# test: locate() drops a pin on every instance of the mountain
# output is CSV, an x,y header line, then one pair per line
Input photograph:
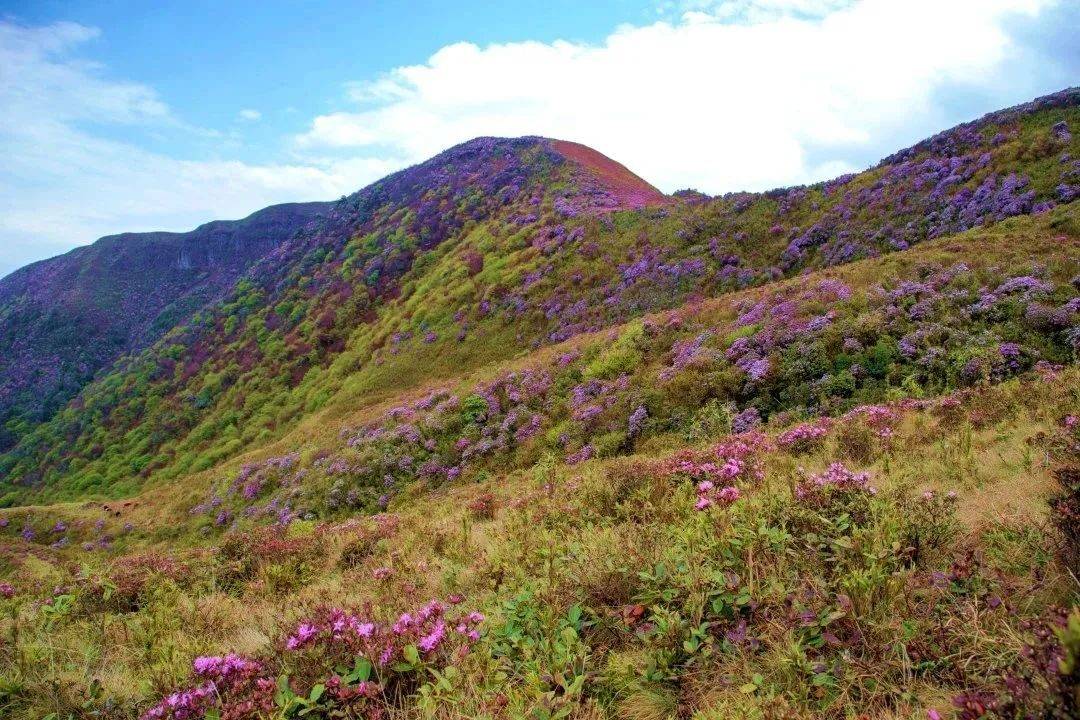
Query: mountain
x,y
64,319
807,453
489,249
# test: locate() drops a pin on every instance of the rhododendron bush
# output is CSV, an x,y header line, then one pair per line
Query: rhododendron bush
x,y
335,661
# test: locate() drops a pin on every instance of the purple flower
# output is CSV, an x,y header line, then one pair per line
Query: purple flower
x,y
746,420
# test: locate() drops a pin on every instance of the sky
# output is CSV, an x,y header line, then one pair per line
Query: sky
x,y
130,116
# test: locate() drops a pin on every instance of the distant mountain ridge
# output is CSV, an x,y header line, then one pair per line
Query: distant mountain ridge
x,y
64,319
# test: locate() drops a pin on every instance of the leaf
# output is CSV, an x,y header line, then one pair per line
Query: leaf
x,y
361,670
317,692
411,654
748,688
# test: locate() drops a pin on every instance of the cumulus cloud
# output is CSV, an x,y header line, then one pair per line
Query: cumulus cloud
x,y
64,183
250,115
735,94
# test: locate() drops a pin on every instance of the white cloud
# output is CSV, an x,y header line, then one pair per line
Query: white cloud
x,y
746,94
752,11
249,115
62,183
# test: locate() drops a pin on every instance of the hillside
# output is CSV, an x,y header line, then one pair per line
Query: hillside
x,y
512,434
62,320
620,587
492,248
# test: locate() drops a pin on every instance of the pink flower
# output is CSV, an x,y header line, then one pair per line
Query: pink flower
x,y
403,624
382,573
303,635
729,494
386,655
431,641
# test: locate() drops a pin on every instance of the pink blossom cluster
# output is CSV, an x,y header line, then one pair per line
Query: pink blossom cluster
x,y
709,495
430,629
717,471
239,686
879,418
835,478
805,436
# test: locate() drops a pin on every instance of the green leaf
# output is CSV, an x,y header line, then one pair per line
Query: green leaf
x,y
411,654
317,692
361,670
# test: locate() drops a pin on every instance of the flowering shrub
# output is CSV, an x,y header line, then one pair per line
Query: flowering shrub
x,y
717,472
836,479
396,654
387,659
881,419
805,436
237,687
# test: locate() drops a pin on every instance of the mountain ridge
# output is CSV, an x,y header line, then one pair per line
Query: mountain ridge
x,y
525,241
64,319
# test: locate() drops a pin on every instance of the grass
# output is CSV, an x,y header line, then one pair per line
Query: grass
x,y
600,540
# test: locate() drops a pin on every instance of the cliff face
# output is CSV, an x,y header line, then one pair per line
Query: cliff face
x,y
63,319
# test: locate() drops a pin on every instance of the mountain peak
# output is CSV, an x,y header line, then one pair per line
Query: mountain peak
x,y
606,184
624,187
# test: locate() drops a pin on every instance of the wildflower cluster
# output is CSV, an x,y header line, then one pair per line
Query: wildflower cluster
x,y
805,436
238,687
431,635
717,472
835,479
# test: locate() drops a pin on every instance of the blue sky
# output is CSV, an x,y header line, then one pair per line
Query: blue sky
x,y
135,116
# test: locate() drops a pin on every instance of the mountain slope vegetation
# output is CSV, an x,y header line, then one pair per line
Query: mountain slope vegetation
x,y
492,248
62,320
513,434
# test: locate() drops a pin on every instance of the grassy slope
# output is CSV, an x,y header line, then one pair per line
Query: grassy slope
x,y
584,542
592,536
237,388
